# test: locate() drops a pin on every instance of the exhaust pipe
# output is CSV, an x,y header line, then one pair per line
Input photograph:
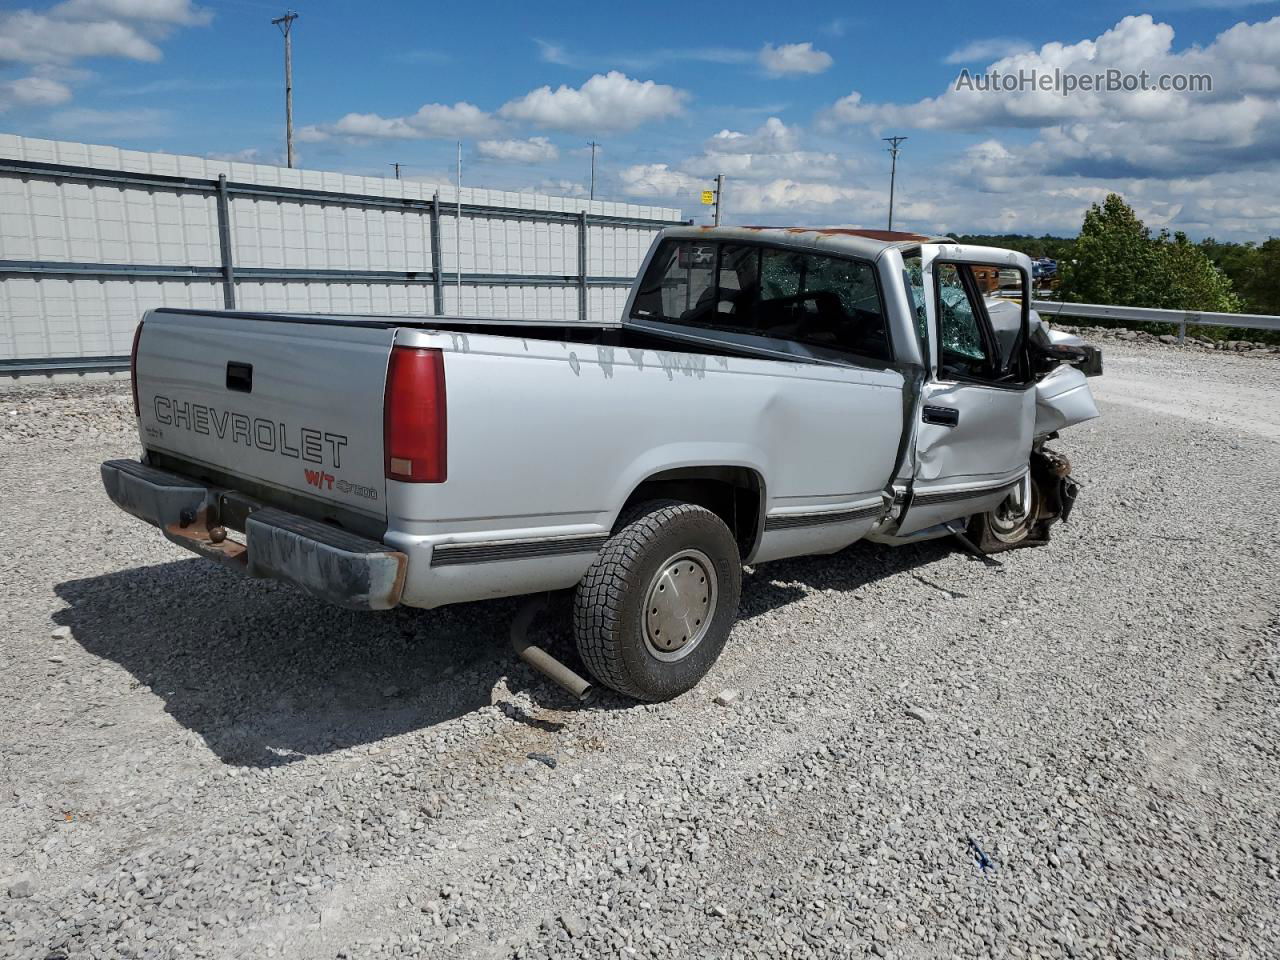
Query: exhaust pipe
x,y
539,659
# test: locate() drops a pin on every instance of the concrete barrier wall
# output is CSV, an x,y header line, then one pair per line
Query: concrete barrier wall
x,y
92,236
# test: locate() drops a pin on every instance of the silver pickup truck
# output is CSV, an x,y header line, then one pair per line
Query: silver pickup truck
x,y
768,393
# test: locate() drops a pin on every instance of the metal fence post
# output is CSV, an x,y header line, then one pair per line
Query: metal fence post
x,y
224,243
582,266
437,268
1182,330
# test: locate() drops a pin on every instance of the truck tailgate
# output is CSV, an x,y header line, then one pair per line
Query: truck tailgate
x,y
291,405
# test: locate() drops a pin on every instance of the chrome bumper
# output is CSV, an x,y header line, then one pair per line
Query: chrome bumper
x,y
324,560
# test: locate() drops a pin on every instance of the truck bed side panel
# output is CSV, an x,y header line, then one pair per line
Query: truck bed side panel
x,y
548,440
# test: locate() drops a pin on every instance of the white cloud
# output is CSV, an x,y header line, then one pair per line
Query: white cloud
x,y
766,173
250,155
533,150
82,122
29,37
432,121
984,51
774,136
553,53
606,102
659,180
793,58
447,122
1119,133
312,133
33,91
560,55
837,27
991,186
791,201
179,12
770,151
760,166
560,188
52,41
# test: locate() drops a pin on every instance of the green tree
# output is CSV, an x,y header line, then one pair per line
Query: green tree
x,y
1056,248
1117,261
1261,283
1114,260
1186,279
1237,260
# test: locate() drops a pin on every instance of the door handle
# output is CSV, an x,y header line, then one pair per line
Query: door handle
x,y
942,416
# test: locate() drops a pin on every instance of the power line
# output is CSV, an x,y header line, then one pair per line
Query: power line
x,y
893,170
285,24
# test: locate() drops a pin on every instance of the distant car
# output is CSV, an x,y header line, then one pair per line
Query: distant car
x,y
1043,268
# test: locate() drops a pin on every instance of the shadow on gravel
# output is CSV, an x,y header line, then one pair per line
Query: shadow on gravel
x,y
776,584
267,675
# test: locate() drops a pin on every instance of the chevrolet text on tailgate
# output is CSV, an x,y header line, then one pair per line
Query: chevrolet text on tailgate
x,y
768,393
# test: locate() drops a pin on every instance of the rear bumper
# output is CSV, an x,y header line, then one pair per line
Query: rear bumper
x,y
324,560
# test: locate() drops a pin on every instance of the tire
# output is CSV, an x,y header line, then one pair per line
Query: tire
x,y
992,532
623,603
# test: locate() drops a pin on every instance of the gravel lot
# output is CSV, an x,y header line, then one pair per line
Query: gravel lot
x,y
1075,752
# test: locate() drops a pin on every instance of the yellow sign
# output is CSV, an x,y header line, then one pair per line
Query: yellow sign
x,y
708,197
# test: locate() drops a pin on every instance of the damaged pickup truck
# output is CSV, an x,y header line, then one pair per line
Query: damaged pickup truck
x,y
768,393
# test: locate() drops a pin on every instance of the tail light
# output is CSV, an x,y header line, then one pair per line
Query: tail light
x,y
133,368
415,420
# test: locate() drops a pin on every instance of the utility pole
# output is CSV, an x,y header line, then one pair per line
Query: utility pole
x,y
285,24
397,165
593,146
893,170
719,196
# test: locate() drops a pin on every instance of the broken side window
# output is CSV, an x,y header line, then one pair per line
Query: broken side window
x,y
960,335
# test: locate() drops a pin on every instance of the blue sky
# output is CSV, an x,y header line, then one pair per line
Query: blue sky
x,y
789,102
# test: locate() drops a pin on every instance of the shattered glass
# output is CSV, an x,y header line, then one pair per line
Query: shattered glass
x,y
960,333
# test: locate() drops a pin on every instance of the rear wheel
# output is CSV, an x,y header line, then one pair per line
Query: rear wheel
x,y
655,609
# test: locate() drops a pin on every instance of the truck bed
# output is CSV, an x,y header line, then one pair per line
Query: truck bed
x,y
550,429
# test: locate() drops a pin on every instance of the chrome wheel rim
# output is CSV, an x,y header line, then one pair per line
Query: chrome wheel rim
x,y
1011,521
679,605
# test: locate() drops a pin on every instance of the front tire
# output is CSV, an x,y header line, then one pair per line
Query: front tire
x,y
655,609
1015,522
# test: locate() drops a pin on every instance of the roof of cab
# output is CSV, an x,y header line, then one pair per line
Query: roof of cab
x,y
864,243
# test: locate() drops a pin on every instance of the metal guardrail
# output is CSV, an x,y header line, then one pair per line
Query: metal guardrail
x,y
1051,309
45,366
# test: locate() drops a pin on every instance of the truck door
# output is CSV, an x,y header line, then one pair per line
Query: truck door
x,y
975,416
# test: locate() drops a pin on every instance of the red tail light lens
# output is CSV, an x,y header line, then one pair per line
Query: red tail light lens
x,y
133,368
414,435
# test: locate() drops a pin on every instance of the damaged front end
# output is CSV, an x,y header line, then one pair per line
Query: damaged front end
x,y
1044,496
1048,493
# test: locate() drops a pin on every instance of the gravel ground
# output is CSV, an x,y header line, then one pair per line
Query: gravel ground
x,y
1074,752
